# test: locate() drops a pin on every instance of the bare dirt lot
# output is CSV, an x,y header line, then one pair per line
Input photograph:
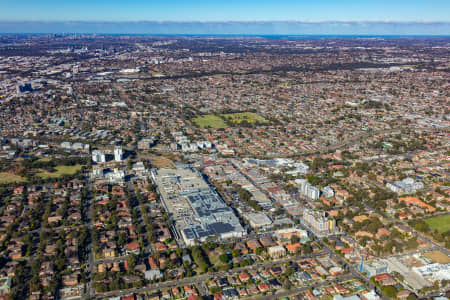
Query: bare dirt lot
x,y
438,256
159,161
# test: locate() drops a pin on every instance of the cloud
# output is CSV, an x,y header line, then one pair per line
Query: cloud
x,y
232,27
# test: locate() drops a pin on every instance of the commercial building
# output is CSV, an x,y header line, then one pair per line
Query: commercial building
x,y
374,268
411,278
262,199
117,175
145,144
258,220
405,186
197,211
340,297
319,222
370,295
284,235
434,271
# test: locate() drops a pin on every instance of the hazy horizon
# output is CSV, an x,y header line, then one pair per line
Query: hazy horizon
x,y
230,27
248,17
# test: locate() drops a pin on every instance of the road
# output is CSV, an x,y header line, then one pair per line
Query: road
x,y
201,278
416,233
89,289
413,252
237,167
147,249
302,289
444,213
351,268
426,239
354,271
356,139
147,245
435,246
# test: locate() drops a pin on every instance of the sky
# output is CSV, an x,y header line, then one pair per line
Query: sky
x,y
225,10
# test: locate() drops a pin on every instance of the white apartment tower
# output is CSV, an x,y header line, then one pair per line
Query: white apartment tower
x,y
98,156
118,153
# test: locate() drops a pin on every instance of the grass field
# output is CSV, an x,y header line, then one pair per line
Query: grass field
x,y
60,171
441,223
214,258
438,256
210,121
44,159
10,178
246,116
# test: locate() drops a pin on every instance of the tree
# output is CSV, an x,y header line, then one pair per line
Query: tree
x,y
131,261
199,259
214,290
244,195
288,272
412,243
307,249
60,264
236,252
390,291
412,296
225,267
259,251
223,258
314,180
287,285
374,226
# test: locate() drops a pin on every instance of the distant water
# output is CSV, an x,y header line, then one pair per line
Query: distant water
x,y
265,36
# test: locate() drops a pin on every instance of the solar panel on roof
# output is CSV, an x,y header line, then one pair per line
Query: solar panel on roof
x,y
221,227
189,233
